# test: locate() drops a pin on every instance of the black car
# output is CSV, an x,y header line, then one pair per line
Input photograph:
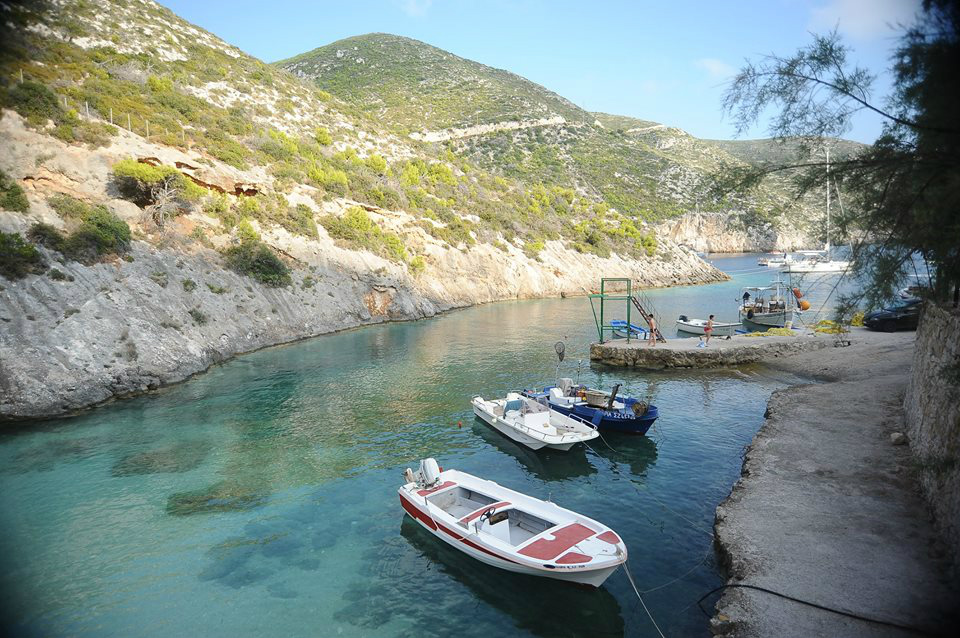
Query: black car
x,y
904,315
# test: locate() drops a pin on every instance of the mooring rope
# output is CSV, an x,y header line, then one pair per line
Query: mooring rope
x,y
626,568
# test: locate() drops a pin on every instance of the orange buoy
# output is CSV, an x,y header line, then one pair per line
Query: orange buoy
x,y
460,424
804,305
797,293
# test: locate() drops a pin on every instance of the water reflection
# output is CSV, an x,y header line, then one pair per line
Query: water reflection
x,y
542,606
546,465
638,453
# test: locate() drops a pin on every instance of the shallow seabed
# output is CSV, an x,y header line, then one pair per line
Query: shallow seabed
x,y
259,499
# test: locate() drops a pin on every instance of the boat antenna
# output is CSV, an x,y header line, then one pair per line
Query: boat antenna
x,y
579,363
561,349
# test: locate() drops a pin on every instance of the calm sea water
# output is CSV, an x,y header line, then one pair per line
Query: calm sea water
x,y
259,499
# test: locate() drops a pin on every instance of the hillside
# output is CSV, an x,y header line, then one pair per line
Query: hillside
x,y
408,83
512,127
167,201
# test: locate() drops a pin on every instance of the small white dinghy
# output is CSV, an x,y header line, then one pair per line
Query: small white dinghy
x,y
531,423
696,327
510,530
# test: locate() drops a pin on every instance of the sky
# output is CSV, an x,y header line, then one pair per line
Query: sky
x,y
662,60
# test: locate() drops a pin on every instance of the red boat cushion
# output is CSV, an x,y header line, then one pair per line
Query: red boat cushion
x,y
610,537
442,486
472,515
573,558
564,539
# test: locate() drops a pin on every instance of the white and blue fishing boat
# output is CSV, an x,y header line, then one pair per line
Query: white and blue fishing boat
x,y
621,328
604,410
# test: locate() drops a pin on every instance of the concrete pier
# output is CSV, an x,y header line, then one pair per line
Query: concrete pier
x,y
684,353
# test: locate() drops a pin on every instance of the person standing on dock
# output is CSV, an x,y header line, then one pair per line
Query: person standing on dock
x,y
652,335
708,330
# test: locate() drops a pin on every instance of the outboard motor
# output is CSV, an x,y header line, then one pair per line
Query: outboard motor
x,y
683,318
429,472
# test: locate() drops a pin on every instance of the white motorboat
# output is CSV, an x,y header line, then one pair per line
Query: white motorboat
x,y
775,259
510,530
816,264
696,327
535,425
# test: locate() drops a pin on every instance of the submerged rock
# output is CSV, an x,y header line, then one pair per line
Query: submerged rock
x,y
225,496
181,457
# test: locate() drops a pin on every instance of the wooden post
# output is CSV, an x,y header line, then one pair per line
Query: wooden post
x,y
21,75
111,115
86,107
129,126
147,122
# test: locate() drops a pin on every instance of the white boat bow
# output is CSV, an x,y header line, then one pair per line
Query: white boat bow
x,y
535,425
510,530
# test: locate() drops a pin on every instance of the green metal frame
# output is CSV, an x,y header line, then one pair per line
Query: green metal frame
x,y
603,297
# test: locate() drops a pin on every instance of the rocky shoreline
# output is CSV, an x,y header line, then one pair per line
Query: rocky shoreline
x,y
828,508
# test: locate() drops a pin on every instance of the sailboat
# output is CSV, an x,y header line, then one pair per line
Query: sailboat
x,y
819,261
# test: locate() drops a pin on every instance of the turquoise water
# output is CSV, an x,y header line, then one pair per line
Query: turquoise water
x,y
259,499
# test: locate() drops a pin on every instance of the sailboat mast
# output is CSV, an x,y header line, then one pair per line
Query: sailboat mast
x,y
828,202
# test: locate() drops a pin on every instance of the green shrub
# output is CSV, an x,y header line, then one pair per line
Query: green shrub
x,y
19,258
255,259
417,265
12,196
101,233
74,130
533,247
377,164
300,220
198,316
358,231
189,285
137,182
217,290
58,275
35,102
216,204
322,135
245,231
67,206
46,235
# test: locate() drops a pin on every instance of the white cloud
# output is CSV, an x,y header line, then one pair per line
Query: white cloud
x,y
864,19
718,69
415,8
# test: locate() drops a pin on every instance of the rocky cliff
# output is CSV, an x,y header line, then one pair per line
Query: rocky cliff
x,y
77,335
732,233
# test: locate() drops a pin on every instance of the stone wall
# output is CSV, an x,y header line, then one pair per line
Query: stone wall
x,y
932,411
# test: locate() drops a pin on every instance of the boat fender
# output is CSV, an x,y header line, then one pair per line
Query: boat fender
x,y
408,476
804,305
797,293
750,314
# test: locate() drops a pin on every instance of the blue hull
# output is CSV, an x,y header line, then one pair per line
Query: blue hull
x,y
612,420
622,420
